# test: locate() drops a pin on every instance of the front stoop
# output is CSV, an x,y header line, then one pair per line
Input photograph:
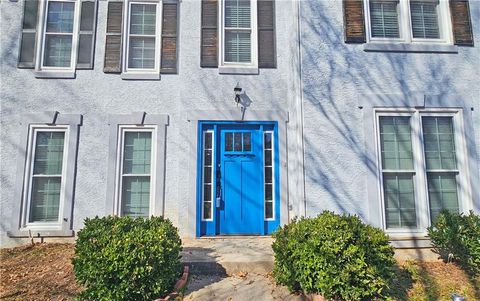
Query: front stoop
x,y
228,255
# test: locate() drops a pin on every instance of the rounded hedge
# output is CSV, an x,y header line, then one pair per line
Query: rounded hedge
x,y
336,256
121,258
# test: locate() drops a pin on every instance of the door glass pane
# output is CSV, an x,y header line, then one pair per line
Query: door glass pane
x,y
439,143
228,142
424,19
384,19
237,142
396,143
58,50
208,170
399,201
247,142
137,152
136,196
442,193
45,199
49,153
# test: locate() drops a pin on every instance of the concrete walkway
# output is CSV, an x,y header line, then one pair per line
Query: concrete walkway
x,y
228,256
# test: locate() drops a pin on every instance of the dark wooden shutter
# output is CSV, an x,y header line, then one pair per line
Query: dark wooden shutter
x,y
169,38
86,38
113,42
26,56
266,34
461,22
209,39
354,21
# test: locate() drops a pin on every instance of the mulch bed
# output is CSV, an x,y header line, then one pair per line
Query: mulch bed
x,y
38,272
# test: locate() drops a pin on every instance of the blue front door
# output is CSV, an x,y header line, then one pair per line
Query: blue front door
x,y
241,210
238,172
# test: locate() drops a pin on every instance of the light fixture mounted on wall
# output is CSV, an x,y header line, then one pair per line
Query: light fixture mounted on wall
x,y
237,91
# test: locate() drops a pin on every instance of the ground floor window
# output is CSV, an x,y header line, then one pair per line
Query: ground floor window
x,y
420,174
135,171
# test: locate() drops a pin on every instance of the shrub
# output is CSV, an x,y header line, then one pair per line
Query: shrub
x,y
336,256
458,235
121,258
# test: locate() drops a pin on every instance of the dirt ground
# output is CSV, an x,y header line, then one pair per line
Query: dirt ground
x,y
39,272
45,272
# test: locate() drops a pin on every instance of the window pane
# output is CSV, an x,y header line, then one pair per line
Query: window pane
x,y
399,201
237,13
442,193
45,199
267,140
58,50
228,142
384,19
237,142
49,153
208,157
247,142
143,19
268,192
207,174
141,53
60,17
439,143
207,210
237,46
396,143
424,19
137,152
268,210
208,140
136,196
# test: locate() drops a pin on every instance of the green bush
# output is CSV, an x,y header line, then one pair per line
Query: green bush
x,y
121,258
458,235
336,256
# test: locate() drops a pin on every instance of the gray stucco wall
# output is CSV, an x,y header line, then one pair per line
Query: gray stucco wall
x,y
336,76
95,95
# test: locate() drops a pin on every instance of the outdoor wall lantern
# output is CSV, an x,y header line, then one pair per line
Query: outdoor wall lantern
x,y
237,91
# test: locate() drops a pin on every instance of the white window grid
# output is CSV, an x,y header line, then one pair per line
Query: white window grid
x,y
272,166
126,38
119,177
40,53
405,24
212,178
28,183
253,36
420,171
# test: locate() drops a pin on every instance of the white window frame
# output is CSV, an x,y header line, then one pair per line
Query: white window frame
x,y
213,194
28,180
232,67
40,52
126,37
119,165
420,172
405,24
273,177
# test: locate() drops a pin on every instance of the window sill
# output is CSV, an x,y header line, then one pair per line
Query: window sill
x,y
140,76
414,48
54,74
237,70
24,232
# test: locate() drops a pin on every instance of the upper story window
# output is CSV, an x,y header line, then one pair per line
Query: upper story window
x,y
58,37
409,21
142,47
238,36
141,39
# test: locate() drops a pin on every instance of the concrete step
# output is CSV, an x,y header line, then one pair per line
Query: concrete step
x,y
229,255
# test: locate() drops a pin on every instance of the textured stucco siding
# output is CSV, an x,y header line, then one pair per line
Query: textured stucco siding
x,y
337,75
95,94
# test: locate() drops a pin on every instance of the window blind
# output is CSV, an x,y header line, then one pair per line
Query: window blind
x,y
238,45
384,19
424,19
440,157
397,163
